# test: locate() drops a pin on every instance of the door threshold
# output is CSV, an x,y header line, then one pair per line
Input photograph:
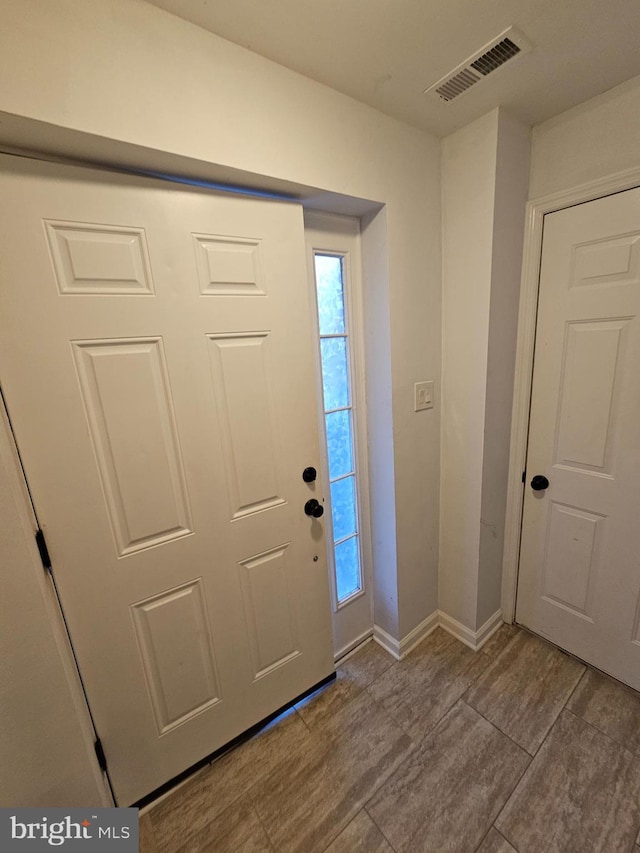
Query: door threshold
x,y
159,793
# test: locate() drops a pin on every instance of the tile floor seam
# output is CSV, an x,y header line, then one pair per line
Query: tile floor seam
x,y
344,829
564,707
426,734
426,685
497,728
634,755
302,718
577,684
557,727
479,676
375,823
264,828
377,783
505,838
607,677
495,818
573,657
424,768
557,717
381,705
593,725
484,837
554,721
517,849
482,840
371,683
497,831
512,793
506,646
358,692
450,675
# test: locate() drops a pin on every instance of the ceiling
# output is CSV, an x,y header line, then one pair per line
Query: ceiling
x,y
386,52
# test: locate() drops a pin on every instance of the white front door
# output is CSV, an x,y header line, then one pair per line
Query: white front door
x,y
156,359
579,581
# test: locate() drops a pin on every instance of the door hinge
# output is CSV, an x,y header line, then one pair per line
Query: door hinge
x,y
102,758
524,476
44,551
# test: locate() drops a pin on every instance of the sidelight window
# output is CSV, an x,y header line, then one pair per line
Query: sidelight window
x,y
336,358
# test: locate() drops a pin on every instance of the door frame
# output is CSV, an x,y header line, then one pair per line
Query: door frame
x,y
329,228
536,210
54,614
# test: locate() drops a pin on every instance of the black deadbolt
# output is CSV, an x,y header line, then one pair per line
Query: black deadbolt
x,y
309,475
539,483
314,508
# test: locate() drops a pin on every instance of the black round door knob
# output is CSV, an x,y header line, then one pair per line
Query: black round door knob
x,y
314,508
309,475
539,483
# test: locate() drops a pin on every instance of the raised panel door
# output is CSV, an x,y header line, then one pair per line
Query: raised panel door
x,y
156,361
579,581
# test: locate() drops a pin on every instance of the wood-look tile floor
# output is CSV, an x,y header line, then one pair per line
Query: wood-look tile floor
x,y
517,747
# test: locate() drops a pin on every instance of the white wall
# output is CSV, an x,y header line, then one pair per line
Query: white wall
x,y
597,138
468,190
118,79
123,70
511,191
484,190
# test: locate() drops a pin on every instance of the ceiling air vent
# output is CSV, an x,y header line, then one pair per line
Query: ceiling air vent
x,y
499,50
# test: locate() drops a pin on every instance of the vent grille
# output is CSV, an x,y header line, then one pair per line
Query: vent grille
x,y
493,55
457,85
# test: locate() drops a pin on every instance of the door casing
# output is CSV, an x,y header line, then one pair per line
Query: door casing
x,y
55,625
338,234
527,319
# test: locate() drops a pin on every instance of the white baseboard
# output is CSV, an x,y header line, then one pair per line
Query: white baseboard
x,y
353,646
388,643
474,639
400,648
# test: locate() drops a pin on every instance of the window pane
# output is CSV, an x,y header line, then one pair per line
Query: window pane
x,y
339,443
347,568
335,378
343,508
330,297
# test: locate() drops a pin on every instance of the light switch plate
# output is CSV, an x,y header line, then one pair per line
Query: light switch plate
x,y
422,396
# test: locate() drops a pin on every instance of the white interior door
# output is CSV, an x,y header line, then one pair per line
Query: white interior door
x,y
579,581
157,364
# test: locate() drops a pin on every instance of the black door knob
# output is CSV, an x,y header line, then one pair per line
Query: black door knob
x,y
314,508
309,475
539,483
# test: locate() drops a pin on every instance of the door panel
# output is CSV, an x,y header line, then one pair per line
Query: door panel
x,y
245,423
156,359
591,366
99,259
124,385
177,654
579,582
